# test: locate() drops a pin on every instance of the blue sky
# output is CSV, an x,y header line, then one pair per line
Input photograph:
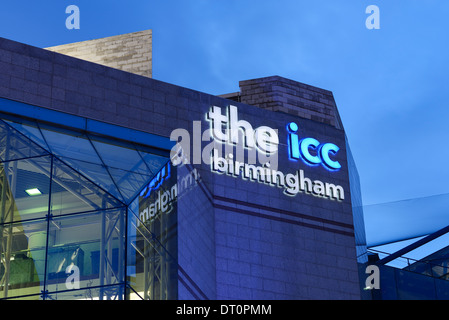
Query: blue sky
x,y
390,85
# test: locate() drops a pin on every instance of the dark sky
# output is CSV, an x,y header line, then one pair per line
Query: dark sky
x,y
390,85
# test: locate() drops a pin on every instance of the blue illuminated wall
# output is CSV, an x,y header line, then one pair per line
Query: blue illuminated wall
x,y
237,239
272,246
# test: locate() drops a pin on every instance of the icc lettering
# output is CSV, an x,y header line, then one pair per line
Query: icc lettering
x,y
310,150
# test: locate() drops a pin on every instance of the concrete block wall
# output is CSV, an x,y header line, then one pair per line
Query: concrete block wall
x,y
268,259
63,83
267,245
272,246
130,52
196,237
279,94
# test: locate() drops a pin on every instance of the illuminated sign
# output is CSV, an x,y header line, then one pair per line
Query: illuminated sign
x,y
161,194
310,150
228,131
228,128
264,138
292,183
158,179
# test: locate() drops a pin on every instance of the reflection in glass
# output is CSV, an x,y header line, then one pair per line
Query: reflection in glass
x,y
86,250
72,145
126,167
63,217
152,239
96,173
152,268
17,180
129,183
120,157
23,248
72,192
115,292
14,145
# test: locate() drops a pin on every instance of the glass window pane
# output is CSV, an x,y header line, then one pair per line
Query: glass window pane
x,y
86,251
31,131
129,183
14,145
70,144
152,240
413,286
72,192
132,295
25,189
115,292
23,258
78,250
145,258
127,167
120,157
96,173
28,297
154,162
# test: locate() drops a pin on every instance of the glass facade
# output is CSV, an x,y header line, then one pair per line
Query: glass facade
x,y
78,220
411,252
357,207
397,284
152,250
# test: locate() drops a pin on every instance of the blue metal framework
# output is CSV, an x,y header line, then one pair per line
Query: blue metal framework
x,y
68,186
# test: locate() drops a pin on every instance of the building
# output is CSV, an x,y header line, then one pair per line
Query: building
x,y
413,256
115,185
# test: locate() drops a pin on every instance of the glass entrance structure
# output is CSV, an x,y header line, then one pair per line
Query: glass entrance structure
x,y
70,216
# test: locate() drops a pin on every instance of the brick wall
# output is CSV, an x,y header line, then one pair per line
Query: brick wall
x,y
130,52
279,94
